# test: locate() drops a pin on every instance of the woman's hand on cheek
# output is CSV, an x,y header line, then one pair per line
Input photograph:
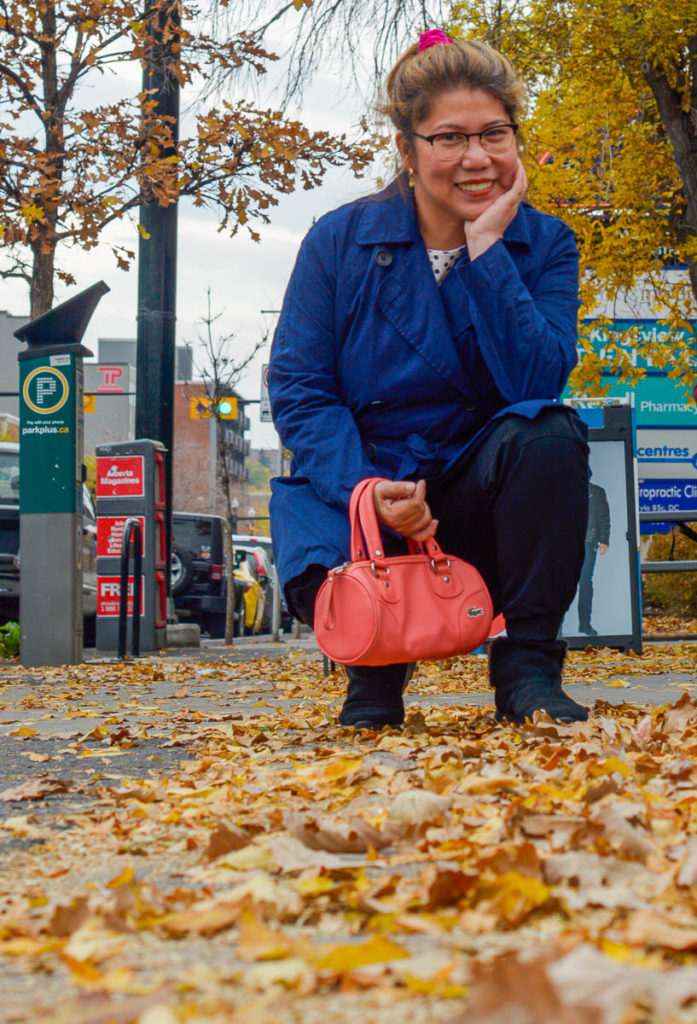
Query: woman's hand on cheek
x,y
401,506
492,222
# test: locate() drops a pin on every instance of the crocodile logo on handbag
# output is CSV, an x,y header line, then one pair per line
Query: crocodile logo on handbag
x,y
474,613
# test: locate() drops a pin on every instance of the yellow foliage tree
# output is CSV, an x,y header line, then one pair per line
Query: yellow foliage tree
x,y
611,134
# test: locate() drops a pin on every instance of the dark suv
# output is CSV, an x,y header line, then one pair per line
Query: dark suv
x,y
199,583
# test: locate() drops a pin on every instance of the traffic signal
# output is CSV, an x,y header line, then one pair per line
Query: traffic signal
x,y
200,408
227,408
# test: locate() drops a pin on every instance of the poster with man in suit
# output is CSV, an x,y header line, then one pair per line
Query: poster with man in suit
x,y
597,542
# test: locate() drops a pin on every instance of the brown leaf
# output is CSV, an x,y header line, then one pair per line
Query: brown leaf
x,y
224,839
67,919
687,875
511,990
648,928
352,836
292,855
447,887
622,834
560,827
35,789
205,918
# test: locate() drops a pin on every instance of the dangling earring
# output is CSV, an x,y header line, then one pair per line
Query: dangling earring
x,y
410,177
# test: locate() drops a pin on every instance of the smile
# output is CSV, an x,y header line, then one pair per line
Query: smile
x,y
474,186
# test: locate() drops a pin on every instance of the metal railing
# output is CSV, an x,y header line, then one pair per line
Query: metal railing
x,y
678,519
132,531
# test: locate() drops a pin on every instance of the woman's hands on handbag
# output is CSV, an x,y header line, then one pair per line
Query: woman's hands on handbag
x,y
401,506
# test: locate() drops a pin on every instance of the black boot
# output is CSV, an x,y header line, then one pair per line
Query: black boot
x,y
374,695
526,675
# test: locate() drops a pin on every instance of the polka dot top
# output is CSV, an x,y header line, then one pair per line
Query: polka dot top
x,y
442,260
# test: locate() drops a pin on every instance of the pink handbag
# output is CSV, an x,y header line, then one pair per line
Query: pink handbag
x,y
376,610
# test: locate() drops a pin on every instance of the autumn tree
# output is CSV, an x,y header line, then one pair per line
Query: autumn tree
x,y
80,150
611,133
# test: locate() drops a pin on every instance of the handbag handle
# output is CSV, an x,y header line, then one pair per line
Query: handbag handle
x,y
361,525
364,524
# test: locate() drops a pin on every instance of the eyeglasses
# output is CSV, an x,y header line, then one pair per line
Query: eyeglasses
x,y
451,146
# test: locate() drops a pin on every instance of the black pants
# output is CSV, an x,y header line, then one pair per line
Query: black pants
x,y
585,586
517,509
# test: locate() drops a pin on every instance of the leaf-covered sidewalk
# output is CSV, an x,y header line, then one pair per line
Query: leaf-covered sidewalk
x,y
191,840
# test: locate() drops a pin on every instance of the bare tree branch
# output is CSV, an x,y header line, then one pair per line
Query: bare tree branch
x,y
333,33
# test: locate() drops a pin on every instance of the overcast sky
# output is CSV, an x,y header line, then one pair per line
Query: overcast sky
x,y
245,277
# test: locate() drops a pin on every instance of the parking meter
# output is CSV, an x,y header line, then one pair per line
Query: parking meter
x,y
50,477
131,485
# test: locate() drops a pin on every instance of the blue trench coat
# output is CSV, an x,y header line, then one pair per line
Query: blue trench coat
x,y
375,370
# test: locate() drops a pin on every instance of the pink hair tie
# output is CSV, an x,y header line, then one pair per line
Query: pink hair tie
x,y
432,38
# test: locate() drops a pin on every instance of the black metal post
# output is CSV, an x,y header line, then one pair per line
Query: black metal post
x,y
157,275
132,533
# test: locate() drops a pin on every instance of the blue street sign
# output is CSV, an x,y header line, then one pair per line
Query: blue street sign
x,y
652,332
667,454
659,401
667,496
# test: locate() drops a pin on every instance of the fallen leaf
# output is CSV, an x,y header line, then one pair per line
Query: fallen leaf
x,y
416,806
35,789
377,949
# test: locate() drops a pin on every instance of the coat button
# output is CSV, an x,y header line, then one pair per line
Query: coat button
x,y
383,257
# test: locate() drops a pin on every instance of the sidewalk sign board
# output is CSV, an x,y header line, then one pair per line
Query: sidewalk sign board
x,y
608,596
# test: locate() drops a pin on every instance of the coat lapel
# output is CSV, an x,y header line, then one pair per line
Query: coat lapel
x,y
408,295
410,300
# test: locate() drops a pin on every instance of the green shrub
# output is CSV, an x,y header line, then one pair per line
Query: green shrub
x,y
9,640
672,592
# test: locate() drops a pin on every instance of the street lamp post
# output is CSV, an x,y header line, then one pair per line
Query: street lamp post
x,y
157,263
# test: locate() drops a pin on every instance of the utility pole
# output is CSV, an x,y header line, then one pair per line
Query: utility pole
x,y
157,261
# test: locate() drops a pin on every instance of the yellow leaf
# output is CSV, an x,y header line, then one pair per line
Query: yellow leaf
x,y
24,731
259,942
618,951
314,886
32,212
341,767
608,766
142,232
435,987
29,947
250,858
618,682
375,951
125,878
292,972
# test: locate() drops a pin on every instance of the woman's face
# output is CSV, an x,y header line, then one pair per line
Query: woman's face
x,y
449,193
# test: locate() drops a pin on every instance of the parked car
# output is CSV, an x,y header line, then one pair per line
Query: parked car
x,y
259,566
244,541
10,558
198,577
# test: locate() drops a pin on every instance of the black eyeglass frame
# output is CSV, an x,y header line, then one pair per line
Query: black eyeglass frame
x,y
466,136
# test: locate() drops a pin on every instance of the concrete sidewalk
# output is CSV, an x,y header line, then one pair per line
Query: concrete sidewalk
x,y
662,686
42,710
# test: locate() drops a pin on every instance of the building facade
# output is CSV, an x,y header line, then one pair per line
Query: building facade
x,y
197,470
